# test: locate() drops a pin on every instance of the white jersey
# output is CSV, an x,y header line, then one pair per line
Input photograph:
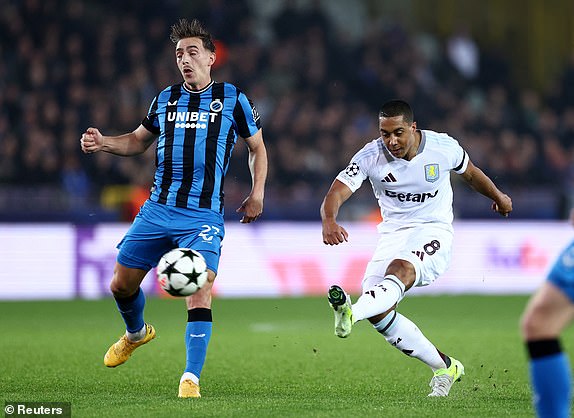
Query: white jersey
x,y
414,192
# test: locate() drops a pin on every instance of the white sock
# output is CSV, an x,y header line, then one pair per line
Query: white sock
x,y
191,376
136,336
402,333
379,298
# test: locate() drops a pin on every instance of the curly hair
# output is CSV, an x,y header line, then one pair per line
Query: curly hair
x,y
194,29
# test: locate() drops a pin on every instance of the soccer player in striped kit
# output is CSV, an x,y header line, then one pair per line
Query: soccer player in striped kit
x,y
196,124
409,171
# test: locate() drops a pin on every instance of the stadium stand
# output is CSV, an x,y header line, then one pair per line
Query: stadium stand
x,y
67,64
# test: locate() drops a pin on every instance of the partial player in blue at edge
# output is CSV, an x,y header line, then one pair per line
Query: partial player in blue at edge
x,y
549,311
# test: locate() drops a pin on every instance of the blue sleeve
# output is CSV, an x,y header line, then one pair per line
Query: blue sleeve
x,y
246,117
151,121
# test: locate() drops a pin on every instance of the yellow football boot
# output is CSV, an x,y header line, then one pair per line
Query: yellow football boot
x,y
121,351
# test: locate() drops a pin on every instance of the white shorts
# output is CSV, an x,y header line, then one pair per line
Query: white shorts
x,y
426,247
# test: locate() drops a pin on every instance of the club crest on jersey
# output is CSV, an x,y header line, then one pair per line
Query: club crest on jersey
x,y
431,173
352,169
216,106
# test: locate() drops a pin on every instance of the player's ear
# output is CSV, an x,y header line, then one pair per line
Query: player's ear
x,y
212,58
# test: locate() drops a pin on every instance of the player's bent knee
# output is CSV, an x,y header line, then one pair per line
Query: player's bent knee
x,y
120,290
201,299
126,280
526,327
404,270
535,325
123,288
400,265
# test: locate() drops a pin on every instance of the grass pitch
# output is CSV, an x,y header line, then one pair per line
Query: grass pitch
x,y
267,358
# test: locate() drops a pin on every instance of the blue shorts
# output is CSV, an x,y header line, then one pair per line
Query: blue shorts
x,y
159,228
562,272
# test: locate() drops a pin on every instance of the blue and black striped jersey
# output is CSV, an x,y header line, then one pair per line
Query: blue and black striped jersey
x,y
197,132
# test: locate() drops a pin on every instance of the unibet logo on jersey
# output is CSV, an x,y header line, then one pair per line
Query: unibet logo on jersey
x,y
196,120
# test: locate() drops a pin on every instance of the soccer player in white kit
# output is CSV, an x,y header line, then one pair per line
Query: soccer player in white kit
x,y
409,171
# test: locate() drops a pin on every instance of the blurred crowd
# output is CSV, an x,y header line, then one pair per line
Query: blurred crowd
x,y
66,65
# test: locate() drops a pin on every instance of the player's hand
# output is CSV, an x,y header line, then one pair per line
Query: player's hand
x,y
503,205
334,234
252,208
92,141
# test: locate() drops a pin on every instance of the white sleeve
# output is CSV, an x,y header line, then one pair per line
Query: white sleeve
x,y
457,156
355,173
463,163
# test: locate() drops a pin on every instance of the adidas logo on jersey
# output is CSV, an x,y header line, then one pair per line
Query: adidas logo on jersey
x,y
389,178
419,254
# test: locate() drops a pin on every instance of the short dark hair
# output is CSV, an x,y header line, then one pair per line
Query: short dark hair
x,y
194,29
397,108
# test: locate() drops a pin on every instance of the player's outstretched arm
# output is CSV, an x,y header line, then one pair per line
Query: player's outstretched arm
x,y
132,143
252,206
333,233
480,182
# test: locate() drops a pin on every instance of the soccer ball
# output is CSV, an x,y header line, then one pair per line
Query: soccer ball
x,y
181,272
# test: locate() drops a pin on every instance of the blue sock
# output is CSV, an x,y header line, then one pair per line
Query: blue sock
x,y
197,335
551,379
131,309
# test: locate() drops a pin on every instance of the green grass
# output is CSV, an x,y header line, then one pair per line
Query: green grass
x,y
267,358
